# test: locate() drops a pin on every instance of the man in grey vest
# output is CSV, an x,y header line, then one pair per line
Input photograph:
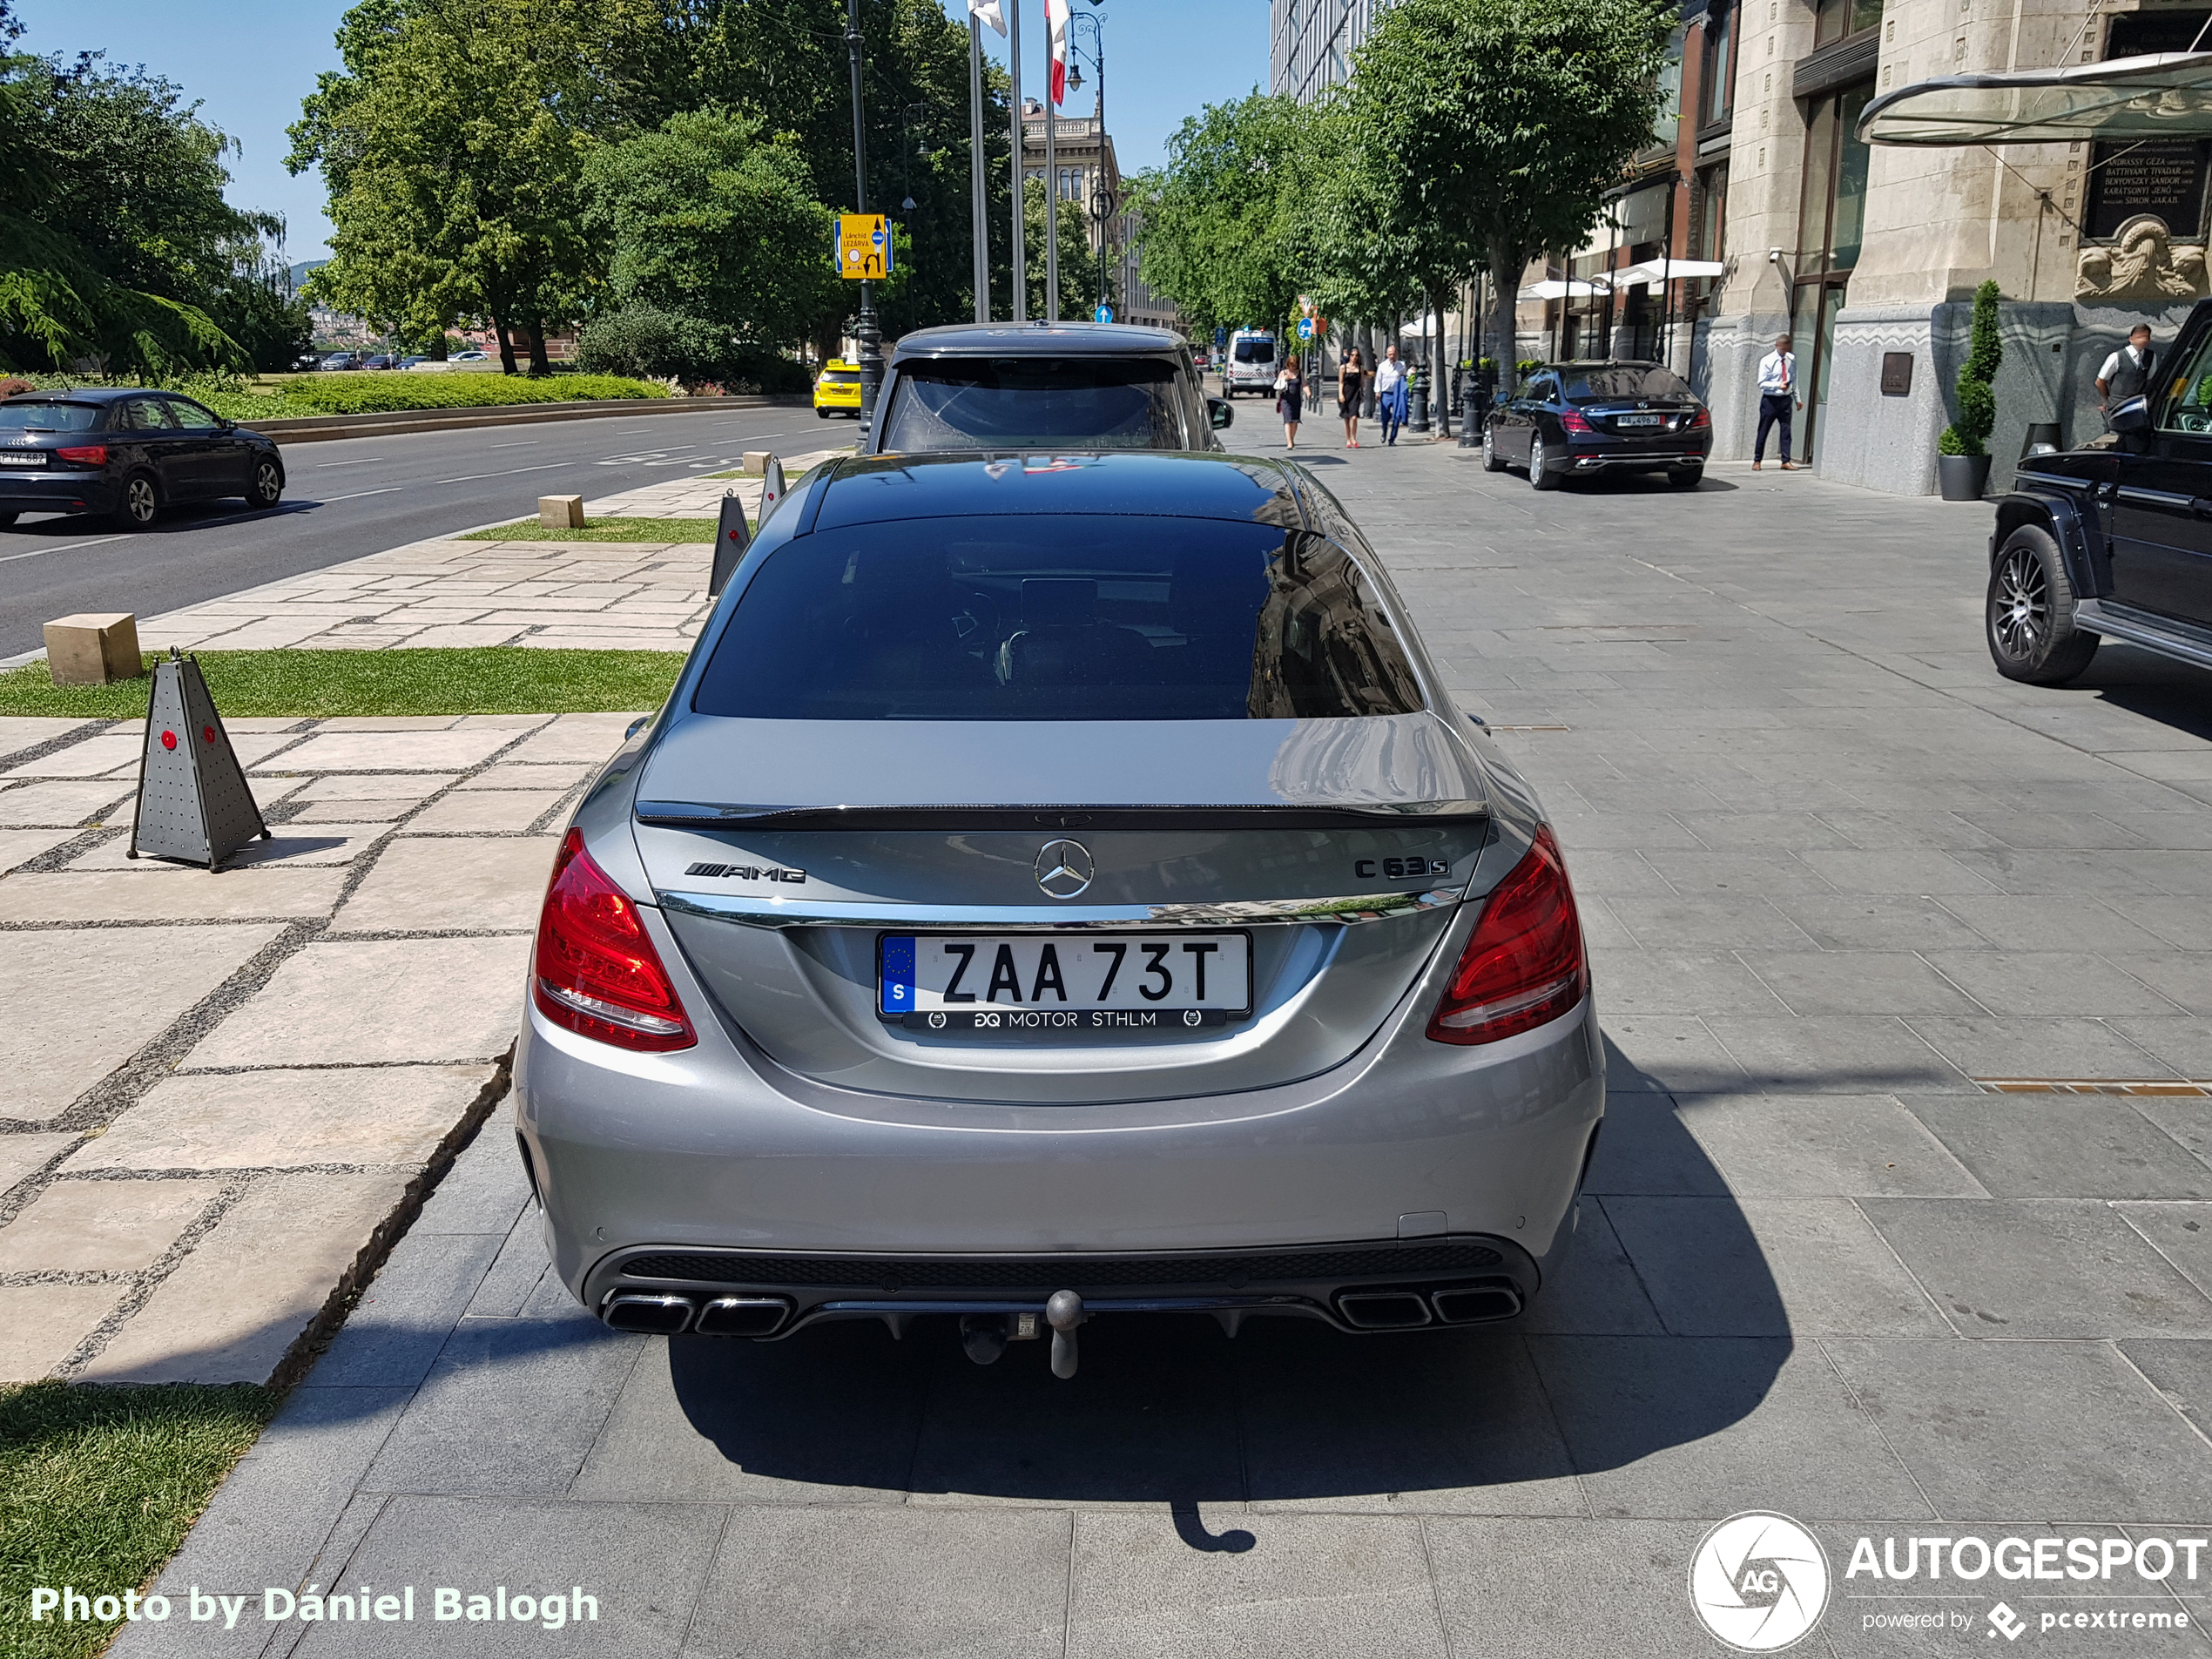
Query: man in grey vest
x,y
2127,372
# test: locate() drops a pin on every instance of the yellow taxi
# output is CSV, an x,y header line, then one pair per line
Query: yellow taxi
x,y
838,391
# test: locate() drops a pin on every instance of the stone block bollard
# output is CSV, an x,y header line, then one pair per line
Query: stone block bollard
x,y
756,462
560,512
93,649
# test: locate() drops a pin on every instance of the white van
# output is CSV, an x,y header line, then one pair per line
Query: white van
x,y
1249,365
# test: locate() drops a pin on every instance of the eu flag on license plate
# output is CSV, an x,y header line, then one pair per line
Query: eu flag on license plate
x,y
897,975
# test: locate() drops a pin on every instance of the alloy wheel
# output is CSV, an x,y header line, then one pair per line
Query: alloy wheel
x,y
1536,458
138,501
2021,614
267,487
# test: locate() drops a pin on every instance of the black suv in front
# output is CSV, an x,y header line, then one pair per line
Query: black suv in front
x,y
2113,539
1043,385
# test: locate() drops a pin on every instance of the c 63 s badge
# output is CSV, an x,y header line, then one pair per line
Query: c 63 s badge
x,y
748,873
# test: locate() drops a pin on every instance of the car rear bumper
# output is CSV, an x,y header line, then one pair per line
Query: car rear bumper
x,y
717,1154
55,492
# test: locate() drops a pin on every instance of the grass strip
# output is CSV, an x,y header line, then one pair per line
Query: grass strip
x,y
485,679
98,1486
384,392
602,529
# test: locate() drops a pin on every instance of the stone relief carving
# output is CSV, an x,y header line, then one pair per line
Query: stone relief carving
x,y
2142,264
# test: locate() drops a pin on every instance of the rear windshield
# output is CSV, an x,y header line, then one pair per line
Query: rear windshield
x,y
1053,617
37,414
840,377
1624,380
1102,403
1255,351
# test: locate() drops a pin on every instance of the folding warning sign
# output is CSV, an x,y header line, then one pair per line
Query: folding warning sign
x,y
193,804
863,246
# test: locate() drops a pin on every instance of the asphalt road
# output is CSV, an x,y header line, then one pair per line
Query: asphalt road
x,y
351,496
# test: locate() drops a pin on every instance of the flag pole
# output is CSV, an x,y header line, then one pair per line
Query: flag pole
x,y
978,204
1020,138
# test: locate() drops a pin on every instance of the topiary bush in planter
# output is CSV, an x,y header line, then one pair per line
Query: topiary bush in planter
x,y
1964,444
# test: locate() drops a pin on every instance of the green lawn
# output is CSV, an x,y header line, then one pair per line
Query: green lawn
x,y
98,1486
491,679
603,530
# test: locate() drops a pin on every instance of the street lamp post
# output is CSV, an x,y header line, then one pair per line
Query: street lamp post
x,y
1102,200
913,114
871,341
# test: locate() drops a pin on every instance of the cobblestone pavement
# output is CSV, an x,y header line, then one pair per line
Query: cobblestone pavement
x,y
225,1090
607,596
1842,884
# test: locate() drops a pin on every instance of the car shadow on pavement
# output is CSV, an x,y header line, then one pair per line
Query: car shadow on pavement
x,y
2148,685
1664,1327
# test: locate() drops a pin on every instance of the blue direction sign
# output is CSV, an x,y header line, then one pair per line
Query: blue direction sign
x,y
1220,335
1306,327
1104,313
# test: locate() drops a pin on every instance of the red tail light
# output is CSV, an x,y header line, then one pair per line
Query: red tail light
x,y
1702,418
1572,420
597,971
1524,966
85,455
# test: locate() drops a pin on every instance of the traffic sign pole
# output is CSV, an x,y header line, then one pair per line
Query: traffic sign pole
x,y
871,341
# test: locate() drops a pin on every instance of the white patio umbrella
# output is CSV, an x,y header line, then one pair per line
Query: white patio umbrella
x,y
1566,288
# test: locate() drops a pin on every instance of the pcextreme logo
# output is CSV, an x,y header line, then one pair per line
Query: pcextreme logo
x,y
1759,1583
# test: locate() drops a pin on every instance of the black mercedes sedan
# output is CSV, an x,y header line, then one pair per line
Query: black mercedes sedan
x,y
1573,419
126,453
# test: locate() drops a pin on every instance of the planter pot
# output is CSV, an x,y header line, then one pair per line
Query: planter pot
x,y
1963,478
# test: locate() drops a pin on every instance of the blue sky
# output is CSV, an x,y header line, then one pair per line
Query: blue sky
x,y
250,62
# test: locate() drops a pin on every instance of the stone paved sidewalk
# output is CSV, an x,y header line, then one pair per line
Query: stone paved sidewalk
x,y
611,596
226,1090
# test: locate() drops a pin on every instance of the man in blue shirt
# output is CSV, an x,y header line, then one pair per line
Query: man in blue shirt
x,y
1777,397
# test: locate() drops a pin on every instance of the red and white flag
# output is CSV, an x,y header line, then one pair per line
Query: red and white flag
x,y
1056,24
987,11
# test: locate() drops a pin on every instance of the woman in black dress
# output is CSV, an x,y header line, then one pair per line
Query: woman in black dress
x,y
1352,384
1290,402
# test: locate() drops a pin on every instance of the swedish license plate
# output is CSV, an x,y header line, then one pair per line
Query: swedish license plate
x,y
23,458
1639,419
1046,984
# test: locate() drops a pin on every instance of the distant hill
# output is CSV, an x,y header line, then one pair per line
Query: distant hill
x,y
298,274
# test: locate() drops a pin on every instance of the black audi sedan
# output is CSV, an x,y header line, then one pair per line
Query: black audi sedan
x,y
1573,420
126,453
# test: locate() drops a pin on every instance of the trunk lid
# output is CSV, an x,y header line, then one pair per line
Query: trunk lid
x,y
1339,848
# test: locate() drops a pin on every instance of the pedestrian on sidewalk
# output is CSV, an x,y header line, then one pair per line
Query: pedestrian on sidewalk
x,y
1777,397
1392,396
1290,400
2126,372
1351,382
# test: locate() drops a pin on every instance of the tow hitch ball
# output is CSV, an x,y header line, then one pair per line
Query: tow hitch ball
x,y
983,1337
1063,1311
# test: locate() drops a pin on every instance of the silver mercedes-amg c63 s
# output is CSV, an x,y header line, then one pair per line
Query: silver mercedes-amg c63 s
x,y
1058,887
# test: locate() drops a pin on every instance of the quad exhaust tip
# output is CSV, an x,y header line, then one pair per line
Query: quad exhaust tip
x,y
725,1316
1410,1309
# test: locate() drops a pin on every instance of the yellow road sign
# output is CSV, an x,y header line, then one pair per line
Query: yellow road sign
x,y
863,246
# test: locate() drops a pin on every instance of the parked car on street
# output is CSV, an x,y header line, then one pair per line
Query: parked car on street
x,y
2113,540
1015,385
341,361
1251,364
1058,886
428,365
379,360
1578,419
837,389
128,453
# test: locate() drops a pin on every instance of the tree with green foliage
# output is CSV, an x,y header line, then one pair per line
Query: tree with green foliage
x,y
1969,433
1081,271
454,142
707,220
1229,229
116,242
1487,130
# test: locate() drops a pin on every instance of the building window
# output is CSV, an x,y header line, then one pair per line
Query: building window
x,y
1669,124
1833,19
1831,221
1709,225
1718,81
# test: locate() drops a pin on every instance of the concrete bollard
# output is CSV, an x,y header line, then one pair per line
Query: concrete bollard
x,y
560,512
93,649
756,462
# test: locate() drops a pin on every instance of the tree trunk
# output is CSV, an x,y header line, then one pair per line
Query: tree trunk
x,y
1507,263
1439,373
1368,358
499,333
541,364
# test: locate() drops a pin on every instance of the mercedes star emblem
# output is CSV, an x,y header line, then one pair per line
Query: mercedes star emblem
x,y
1064,868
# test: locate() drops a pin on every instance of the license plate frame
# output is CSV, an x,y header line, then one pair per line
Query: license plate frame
x,y
1177,1009
23,458
1642,422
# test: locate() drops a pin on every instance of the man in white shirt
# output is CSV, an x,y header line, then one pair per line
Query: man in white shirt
x,y
2127,372
1777,397
1390,394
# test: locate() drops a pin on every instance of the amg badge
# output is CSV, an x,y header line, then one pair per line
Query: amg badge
x,y
747,872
